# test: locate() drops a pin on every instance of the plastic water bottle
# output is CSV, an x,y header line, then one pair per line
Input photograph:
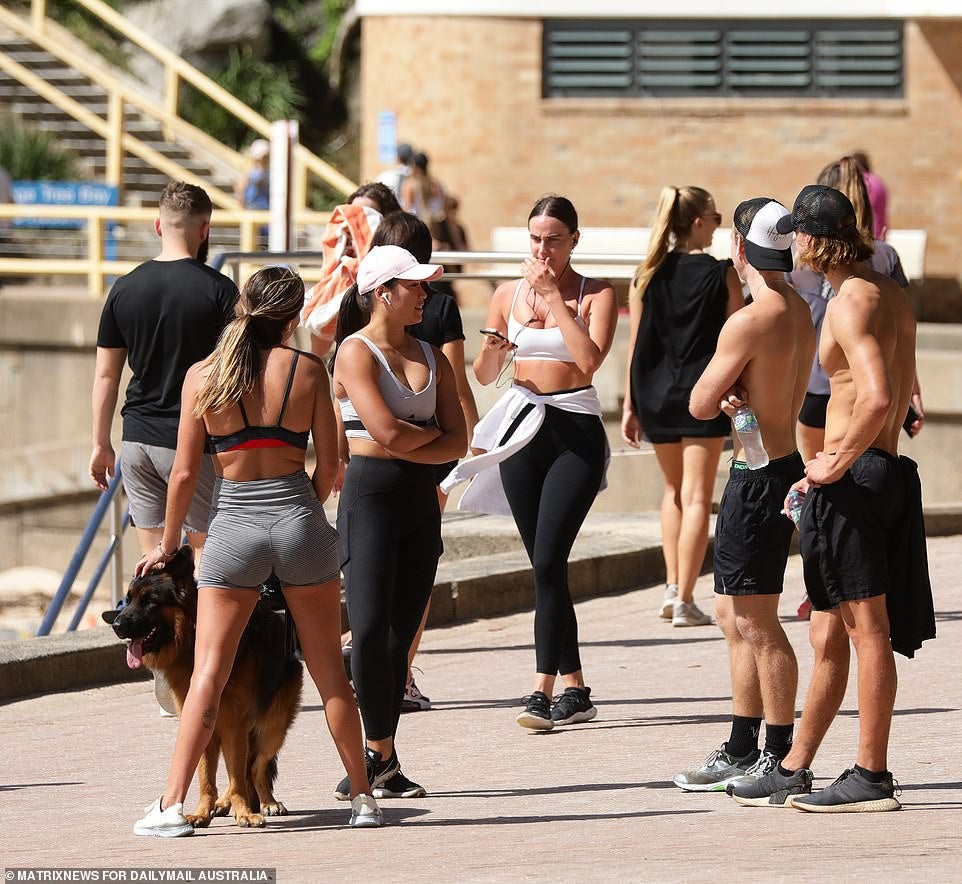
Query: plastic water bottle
x,y
795,500
746,425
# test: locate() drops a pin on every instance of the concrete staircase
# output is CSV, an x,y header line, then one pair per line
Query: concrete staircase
x,y
141,183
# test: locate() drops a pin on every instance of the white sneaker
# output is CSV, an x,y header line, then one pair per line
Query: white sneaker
x,y
689,614
414,700
365,814
668,604
169,823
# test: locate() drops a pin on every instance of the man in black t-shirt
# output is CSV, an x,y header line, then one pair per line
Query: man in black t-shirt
x,y
160,318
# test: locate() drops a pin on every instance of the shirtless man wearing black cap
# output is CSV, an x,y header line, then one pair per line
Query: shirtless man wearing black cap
x,y
861,534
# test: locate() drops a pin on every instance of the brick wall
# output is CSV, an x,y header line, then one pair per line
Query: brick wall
x,y
467,91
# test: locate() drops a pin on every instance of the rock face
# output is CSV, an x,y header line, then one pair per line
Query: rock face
x,y
209,27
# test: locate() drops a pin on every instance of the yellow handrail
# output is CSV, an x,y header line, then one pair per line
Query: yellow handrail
x,y
176,68
50,40
96,268
110,133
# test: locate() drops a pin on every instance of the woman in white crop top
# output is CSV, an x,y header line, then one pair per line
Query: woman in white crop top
x,y
558,326
400,410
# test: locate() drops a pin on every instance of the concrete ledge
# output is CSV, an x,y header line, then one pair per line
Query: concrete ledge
x,y
65,662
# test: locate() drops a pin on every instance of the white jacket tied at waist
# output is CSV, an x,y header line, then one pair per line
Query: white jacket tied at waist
x,y
510,425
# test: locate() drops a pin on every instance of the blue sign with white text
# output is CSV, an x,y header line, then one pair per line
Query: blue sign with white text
x,y
61,193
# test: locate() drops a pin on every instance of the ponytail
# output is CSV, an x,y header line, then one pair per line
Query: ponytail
x,y
676,213
270,302
233,368
353,314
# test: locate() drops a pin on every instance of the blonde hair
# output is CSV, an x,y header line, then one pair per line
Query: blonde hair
x,y
823,252
678,207
270,301
846,175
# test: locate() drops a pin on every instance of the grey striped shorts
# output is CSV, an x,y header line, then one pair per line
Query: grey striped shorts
x,y
268,526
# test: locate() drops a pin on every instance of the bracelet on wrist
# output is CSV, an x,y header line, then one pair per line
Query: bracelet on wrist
x,y
166,556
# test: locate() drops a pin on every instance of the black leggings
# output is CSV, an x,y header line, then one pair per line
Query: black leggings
x,y
390,541
550,485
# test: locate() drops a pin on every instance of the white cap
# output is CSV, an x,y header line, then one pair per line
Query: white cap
x,y
756,220
384,263
259,149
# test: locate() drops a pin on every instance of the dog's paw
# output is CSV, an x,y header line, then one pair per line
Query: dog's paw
x,y
249,820
198,821
274,808
221,807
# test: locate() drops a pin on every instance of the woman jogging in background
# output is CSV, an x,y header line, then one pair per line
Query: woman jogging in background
x,y
546,438
400,412
678,301
266,518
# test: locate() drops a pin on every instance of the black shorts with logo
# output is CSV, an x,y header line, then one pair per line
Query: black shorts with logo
x,y
752,534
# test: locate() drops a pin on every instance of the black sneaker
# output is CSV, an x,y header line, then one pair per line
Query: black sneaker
x,y
378,771
537,712
573,707
774,789
852,793
399,786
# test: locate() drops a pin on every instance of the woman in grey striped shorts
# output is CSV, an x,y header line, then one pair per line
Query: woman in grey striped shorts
x,y
256,401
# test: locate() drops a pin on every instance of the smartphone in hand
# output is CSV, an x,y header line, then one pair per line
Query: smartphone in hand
x,y
910,419
494,333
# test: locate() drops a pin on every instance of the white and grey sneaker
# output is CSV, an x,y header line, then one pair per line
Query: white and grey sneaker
x,y
774,789
689,614
365,814
765,765
717,772
668,603
852,793
169,823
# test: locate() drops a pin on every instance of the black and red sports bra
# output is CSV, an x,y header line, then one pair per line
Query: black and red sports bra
x,y
262,437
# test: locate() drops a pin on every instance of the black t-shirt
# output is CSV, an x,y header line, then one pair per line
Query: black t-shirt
x,y
441,320
167,315
683,312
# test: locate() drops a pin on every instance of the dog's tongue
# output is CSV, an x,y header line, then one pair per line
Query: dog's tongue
x,y
135,653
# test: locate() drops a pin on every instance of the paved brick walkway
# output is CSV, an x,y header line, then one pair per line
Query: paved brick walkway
x,y
592,802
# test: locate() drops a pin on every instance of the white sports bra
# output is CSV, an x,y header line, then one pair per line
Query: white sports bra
x,y
416,408
546,344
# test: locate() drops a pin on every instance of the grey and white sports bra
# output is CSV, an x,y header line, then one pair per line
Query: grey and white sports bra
x,y
546,344
405,404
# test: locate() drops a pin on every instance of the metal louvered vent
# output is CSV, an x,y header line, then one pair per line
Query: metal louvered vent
x,y
828,59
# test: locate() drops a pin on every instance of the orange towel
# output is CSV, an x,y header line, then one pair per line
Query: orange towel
x,y
348,224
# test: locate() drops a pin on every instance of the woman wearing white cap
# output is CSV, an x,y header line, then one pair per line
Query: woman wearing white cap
x,y
400,412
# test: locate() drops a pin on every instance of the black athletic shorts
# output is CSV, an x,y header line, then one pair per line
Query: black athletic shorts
x,y
813,410
752,534
849,530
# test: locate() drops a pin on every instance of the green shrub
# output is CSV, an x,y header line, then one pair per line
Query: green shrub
x,y
267,88
30,154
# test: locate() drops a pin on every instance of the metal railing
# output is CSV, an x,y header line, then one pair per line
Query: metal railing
x,y
97,268
113,556
495,265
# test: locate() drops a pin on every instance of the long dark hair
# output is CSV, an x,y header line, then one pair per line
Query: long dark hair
x,y
406,230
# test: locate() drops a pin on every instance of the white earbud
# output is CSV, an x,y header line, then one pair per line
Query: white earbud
x,y
386,299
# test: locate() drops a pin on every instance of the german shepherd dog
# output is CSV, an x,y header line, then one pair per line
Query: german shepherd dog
x,y
259,702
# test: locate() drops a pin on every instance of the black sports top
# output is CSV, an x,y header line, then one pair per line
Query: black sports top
x,y
262,437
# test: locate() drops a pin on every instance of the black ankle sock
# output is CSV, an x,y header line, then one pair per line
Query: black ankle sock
x,y
778,739
784,771
873,776
744,736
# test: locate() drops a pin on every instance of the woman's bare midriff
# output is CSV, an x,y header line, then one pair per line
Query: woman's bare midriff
x,y
543,377
247,465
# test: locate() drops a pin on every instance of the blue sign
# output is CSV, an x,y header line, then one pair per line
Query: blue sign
x,y
61,193
386,137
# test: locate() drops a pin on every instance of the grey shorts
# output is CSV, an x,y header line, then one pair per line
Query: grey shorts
x,y
146,472
268,526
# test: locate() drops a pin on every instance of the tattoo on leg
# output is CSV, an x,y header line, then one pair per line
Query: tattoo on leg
x,y
208,717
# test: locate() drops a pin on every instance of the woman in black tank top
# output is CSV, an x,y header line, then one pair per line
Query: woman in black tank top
x,y
679,300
